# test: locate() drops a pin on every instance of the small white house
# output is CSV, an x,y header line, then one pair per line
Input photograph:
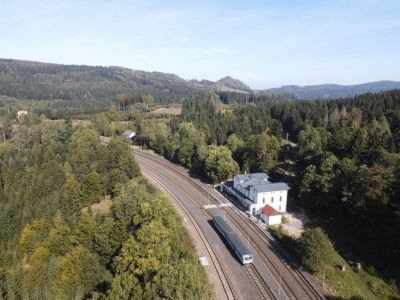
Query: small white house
x,y
270,216
255,191
129,134
21,113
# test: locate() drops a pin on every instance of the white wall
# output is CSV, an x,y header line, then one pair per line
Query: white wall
x,y
272,220
277,204
273,199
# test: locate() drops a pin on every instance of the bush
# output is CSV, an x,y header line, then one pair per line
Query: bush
x,y
315,249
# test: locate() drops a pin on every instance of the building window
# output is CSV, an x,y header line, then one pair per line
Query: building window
x,y
280,208
263,200
272,199
280,198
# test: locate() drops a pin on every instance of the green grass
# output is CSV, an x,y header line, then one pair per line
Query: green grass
x,y
224,88
344,284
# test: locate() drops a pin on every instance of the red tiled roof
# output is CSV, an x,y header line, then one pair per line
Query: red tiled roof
x,y
269,211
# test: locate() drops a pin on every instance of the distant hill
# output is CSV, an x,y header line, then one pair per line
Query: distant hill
x,y
233,84
36,80
97,85
334,91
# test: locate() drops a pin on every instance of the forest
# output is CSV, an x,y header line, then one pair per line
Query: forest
x,y
78,221
340,157
94,87
342,161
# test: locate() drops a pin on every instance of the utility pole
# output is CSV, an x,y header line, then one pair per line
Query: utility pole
x,y
323,280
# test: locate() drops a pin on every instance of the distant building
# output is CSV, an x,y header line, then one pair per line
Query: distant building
x,y
21,113
129,134
256,193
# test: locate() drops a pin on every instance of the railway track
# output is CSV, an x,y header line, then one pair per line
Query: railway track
x,y
259,240
297,274
262,286
278,273
265,291
216,263
292,267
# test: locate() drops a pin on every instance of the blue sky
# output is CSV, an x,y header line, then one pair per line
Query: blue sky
x,y
263,43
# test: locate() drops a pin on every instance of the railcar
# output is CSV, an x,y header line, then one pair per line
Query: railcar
x,y
235,242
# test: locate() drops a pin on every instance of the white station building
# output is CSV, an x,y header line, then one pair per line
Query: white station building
x,y
260,196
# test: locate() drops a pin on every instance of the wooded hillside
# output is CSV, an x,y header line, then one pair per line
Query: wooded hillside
x,y
77,221
87,85
345,170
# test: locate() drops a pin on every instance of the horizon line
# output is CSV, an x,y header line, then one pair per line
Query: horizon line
x,y
189,79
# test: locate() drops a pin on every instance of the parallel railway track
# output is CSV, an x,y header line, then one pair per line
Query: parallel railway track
x,y
254,274
260,283
221,274
259,240
283,258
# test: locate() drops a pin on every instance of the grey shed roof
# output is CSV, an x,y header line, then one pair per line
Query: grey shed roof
x,y
259,176
269,187
128,133
247,180
260,182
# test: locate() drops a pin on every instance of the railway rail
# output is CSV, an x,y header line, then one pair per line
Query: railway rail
x,y
221,274
258,280
280,253
261,285
259,240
